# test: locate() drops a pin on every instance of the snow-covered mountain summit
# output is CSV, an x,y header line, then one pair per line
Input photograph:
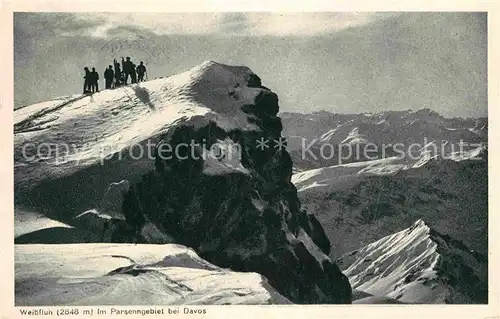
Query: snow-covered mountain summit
x,y
418,265
214,190
68,133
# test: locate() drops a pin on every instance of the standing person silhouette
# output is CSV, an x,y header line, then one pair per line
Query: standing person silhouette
x,y
128,68
108,76
86,82
118,74
94,82
133,75
141,71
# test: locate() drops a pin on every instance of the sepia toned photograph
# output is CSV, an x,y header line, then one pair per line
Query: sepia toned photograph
x,y
250,158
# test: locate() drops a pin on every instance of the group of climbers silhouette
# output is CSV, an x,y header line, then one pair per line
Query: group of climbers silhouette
x,y
115,75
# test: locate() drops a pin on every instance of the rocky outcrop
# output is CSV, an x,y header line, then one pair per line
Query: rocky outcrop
x,y
248,219
111,203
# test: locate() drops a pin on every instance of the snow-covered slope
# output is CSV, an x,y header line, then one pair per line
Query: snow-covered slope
x,y
126,274
26,222
176,160
65,135
32,227
418,265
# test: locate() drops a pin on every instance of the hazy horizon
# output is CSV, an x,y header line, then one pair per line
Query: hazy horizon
x,y
337,62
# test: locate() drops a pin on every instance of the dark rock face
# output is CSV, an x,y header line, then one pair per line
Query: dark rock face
x,y
244,220
468,275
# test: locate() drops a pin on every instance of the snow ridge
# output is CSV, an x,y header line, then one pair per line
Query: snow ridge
x,y
418,265
79,131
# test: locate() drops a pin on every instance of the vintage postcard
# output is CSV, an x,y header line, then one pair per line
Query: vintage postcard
x,y
214,159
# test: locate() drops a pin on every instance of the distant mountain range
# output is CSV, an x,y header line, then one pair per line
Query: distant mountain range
x,y
324,139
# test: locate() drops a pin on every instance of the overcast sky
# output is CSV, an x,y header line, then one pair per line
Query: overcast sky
x,y
340,62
